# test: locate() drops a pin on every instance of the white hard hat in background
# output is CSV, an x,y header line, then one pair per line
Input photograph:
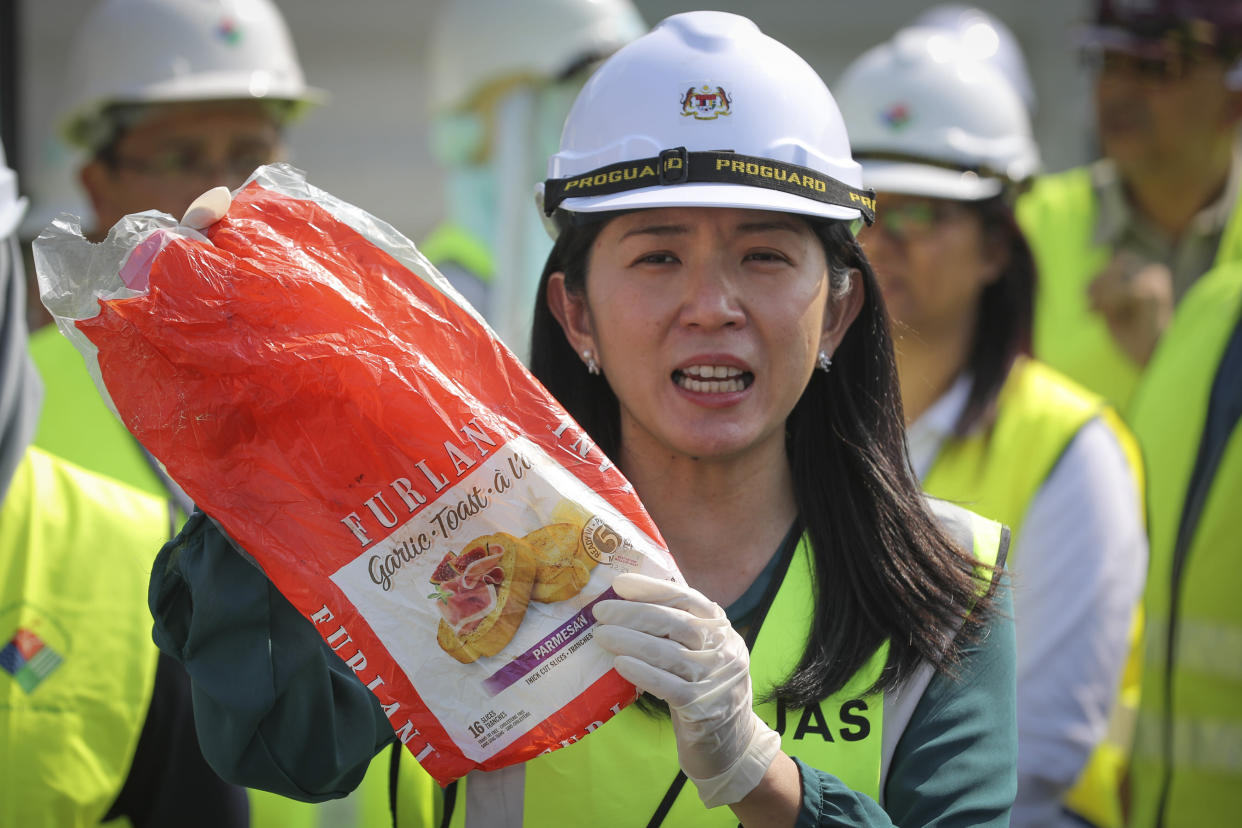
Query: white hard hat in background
x,y
477,43
705,81
11,205
925,119
164,51
984,37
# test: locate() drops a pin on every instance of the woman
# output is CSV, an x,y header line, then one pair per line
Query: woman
x,y
947,143
710,320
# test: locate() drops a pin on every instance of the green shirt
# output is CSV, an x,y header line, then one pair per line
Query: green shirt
x,y
261,674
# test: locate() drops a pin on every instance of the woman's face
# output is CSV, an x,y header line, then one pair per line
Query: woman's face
x,y
931,260
706,323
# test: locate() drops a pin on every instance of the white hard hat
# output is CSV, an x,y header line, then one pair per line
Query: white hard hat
x,y
706,111
984,37
11,205
477,43
165,51
927,120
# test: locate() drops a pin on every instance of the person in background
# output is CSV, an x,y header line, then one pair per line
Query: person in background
x,y
1187,762
96,723
945,141
721,337
168,98
501,77
1119,242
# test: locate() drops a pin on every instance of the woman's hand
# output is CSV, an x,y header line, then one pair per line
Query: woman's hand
x,y
674,643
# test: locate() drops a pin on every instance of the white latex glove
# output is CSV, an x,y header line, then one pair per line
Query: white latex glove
x,y
674,643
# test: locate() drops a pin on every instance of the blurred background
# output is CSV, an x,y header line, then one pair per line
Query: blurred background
x,y
369,144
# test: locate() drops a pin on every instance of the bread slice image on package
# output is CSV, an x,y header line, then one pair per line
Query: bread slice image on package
x,y
563,566
482,594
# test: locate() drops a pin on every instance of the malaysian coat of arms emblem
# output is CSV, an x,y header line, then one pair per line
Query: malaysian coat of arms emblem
x,y
706,103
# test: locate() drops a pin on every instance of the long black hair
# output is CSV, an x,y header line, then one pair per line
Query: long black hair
x,y
1004,317
884,569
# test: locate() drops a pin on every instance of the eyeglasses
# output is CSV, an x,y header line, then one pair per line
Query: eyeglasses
x,y
191,165
914,220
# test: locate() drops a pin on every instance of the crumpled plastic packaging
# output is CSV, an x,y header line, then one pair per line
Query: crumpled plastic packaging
x,y
320,391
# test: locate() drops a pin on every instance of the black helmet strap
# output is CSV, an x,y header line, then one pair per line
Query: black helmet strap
x,y
677,166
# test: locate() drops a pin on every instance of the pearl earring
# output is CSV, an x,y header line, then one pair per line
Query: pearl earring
x,y
591,365
825,361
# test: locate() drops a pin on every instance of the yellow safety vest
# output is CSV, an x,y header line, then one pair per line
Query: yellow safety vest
x,y
620,774
997,471
1058,216
1188,748
77,664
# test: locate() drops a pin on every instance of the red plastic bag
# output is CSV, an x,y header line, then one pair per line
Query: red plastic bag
x,y
317,388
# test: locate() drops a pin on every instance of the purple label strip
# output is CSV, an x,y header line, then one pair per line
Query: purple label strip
x,y
545,649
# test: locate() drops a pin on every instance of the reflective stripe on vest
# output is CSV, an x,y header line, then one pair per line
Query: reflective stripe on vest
x,y
1204,746
620,774
1212,650
997,471
77,664
1058,215
1190,726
